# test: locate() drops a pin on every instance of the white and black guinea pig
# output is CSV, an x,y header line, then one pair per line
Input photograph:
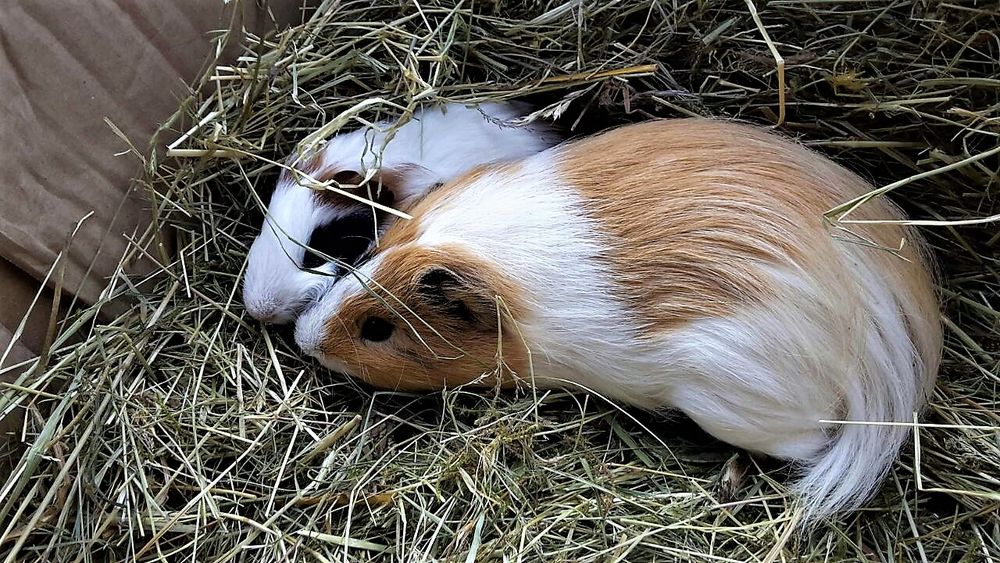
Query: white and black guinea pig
x,y
435,146
680,264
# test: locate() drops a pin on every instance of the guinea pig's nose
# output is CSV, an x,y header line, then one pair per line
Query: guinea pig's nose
x,y
308,346
268,313
309,334
262,314
268,318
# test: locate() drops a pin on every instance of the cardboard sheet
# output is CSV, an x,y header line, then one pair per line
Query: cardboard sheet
x,y
64,68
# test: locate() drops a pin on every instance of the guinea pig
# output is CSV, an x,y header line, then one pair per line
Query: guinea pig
x,y
679,264
393,169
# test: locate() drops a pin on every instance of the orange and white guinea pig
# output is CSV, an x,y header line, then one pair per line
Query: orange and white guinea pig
x,y
681,264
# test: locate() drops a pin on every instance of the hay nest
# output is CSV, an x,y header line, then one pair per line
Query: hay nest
x,y
181,430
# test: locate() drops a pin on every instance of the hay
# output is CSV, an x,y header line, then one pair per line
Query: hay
x,y
183,431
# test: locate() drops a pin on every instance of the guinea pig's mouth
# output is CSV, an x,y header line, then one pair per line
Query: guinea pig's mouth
x,y
310,340
333,364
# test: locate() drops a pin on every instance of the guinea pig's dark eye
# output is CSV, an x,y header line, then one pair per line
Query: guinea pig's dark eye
x,y
376,329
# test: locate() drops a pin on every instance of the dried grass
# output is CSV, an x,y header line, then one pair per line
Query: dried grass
x,y
181,430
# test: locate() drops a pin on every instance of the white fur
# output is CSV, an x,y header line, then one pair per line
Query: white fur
x,y
310,326
436,146
830,345
763,380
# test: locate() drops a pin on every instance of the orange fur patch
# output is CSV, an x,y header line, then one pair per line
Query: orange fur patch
x,y
695,207
429,349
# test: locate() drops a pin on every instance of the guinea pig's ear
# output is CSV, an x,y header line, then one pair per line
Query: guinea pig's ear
x,y
343,177
458,296
353,181
396,186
